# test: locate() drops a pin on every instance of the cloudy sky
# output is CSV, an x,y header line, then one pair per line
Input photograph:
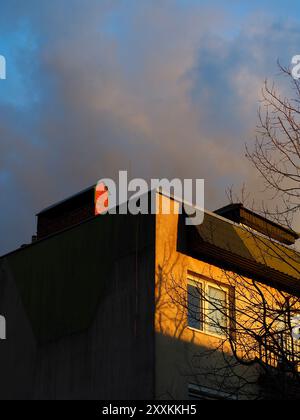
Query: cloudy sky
x,y
165,88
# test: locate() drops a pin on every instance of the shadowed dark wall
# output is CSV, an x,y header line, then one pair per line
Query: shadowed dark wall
x,y
79,308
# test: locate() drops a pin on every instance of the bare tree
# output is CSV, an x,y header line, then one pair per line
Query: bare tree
x,y
276,152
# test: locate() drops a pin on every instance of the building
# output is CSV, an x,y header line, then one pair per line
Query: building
x,y
100,307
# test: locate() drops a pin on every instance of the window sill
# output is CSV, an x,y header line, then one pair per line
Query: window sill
x,y
208,334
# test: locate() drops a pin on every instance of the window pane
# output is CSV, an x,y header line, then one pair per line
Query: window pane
x,y
195,307
216,313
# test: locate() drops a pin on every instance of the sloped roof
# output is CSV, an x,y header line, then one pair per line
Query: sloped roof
x,y
239,214
239,246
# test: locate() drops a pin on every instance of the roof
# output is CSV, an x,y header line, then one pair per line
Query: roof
x,y
239,214
242,249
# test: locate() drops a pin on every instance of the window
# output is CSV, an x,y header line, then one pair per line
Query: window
x,y
285,344
216,310
195,306
197,392
281,346
208,306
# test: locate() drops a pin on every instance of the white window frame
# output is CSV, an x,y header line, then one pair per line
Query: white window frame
x,y
199,281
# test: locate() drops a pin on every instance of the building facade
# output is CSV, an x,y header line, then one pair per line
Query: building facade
x,y
109,307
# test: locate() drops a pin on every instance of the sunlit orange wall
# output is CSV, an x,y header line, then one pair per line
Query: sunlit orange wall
x,y
176,345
